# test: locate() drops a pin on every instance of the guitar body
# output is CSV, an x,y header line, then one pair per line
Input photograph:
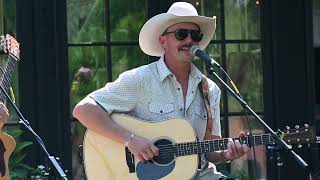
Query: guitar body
x,y
7,145
106,159
178,149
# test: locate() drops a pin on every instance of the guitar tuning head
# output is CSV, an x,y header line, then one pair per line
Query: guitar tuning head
x,y
297,126
306,125
287,127
299,146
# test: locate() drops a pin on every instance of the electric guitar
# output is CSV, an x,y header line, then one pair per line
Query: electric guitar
x,y
178,150
7,144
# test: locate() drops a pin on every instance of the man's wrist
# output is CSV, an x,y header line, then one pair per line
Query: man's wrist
x,y
129,139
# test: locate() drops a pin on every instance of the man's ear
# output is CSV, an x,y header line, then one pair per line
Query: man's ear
x,y
163,42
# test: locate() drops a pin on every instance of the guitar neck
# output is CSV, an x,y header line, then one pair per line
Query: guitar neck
x,y
7,73
188,148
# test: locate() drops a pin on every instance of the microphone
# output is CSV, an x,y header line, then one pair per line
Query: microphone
x,y
196,51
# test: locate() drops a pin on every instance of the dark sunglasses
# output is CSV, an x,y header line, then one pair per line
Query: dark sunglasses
x,y
181,34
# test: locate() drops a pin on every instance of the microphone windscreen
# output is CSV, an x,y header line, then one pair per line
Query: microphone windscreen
x,y
193,49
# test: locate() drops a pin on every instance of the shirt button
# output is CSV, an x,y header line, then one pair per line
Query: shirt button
x,y
192,91
178,89
181,109
161,111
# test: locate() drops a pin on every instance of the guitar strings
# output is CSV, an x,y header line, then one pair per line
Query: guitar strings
x,y
200,147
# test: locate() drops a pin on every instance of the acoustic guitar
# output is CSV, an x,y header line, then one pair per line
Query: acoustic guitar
x,y
10,47
178,150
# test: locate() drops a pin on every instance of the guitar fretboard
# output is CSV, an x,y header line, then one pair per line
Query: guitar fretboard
x,y
188,148
7,73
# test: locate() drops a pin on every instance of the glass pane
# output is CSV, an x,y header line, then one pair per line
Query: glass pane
x,y
125,58
245,69
8,17
242,19
85,21
244,167
126,19
87,71
211,8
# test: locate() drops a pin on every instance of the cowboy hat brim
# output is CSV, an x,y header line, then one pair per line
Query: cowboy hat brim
x,y
154,27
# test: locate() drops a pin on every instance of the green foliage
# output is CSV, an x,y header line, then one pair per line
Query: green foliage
x,y
16,166
125,25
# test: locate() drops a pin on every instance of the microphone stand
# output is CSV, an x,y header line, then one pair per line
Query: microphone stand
x,y
300,161
39,140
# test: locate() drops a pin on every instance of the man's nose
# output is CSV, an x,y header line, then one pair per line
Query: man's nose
x,y
188,38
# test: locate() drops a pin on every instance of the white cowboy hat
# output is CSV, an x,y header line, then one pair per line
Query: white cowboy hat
x,y
178,12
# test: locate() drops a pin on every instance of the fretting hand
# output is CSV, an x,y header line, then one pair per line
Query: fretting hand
x,y
234,149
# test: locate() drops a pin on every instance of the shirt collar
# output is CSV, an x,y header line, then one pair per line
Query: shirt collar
x,y
165,72
196,73
163,69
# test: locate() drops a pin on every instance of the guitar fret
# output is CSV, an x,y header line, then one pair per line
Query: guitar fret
x,y
6,76
225,143
200,147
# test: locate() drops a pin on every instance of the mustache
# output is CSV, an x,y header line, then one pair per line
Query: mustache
x,y
186,46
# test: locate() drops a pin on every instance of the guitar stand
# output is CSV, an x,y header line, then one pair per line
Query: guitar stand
x,y
26,124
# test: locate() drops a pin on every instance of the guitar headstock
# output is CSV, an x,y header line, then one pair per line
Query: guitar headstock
x,y
10,46
300,135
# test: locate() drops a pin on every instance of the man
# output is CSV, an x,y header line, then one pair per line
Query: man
x,y
161,90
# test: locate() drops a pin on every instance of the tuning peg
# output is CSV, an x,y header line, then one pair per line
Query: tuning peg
x,y
306,125
297,126
287,127
299,146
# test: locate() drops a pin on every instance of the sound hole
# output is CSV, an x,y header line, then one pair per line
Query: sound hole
x,y
166,152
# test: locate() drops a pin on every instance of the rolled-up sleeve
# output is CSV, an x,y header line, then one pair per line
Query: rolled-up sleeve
x,y
122,95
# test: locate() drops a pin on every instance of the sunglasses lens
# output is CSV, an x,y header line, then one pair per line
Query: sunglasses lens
x,y
196,35
181,34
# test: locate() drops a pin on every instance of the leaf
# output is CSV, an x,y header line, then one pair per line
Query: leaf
x,y
20,158
22,145
15,133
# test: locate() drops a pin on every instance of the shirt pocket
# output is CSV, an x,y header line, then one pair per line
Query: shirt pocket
x,y
200,114
201,118
158,107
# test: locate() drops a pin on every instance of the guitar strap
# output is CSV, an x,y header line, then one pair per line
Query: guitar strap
x,y
204,89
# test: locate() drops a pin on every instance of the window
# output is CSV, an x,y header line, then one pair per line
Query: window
x,y
103,42
237,47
